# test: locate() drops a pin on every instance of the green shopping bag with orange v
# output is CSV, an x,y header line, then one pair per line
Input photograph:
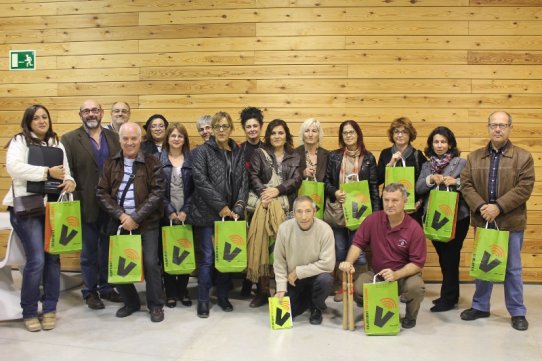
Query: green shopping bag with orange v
x,y
440,220
63,232
490,254
315,190
230,244
178,249
357,204
405,176
125,258
381,308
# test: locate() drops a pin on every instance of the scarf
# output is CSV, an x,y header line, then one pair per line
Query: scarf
x,y
438,164
405,153
350,164
264,225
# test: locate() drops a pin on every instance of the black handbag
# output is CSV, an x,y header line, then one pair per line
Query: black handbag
x,y
27,206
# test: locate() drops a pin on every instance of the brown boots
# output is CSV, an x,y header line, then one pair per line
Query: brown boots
x,y
263,294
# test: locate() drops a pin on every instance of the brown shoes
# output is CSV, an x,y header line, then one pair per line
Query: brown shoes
x,y
48,322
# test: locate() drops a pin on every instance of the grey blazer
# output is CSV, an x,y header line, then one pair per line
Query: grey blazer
x,y
453,169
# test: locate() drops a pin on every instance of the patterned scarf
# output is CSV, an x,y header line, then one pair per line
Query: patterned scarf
x,y
350,164
438,164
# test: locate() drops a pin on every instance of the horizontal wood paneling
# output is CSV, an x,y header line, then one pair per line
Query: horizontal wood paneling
x,y
438,62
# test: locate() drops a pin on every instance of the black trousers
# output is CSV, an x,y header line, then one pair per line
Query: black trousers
x,y
310,293
449,255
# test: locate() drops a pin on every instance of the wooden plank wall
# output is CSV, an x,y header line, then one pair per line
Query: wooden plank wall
x,y
447,62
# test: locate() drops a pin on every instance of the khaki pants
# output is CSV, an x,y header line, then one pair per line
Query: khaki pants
x,y
411,288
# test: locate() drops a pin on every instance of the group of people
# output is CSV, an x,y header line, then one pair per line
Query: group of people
x,y
139,184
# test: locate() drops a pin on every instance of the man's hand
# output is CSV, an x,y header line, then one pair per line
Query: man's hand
x,y
388,274
128,222
347,267
280,295
490,212
292,277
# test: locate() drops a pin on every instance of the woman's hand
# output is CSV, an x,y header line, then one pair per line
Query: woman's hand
x,y
269,193
181,217
173,217
57,172
67,186
340,196
309,172
224,212
437,179
395,157
449,181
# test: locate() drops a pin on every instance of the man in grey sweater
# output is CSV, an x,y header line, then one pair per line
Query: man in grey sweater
x,y
304,260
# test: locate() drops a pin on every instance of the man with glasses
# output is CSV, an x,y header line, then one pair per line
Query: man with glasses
x,y
496,184
120,114
87,148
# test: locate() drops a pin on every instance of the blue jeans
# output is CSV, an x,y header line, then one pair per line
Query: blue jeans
x,y
38,265
513,282
206,266
343,241
94,258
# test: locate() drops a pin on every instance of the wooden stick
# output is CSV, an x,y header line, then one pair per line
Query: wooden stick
x,y
345,301
350,297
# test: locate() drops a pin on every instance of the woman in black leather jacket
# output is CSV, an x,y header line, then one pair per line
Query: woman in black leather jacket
x,y
220,191
277,153
351,158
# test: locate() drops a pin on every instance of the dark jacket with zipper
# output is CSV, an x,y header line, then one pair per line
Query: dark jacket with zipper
x,y
220,179
367,172
188,184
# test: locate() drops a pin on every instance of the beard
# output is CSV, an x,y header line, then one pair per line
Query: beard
x,y
92,123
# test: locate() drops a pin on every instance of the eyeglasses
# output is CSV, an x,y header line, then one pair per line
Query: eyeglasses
x,y
158,126
349,133
123,111
399,131
494,126
221,127
88,111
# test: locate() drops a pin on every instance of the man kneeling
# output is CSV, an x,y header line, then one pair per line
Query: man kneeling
x,y
398,250
304,260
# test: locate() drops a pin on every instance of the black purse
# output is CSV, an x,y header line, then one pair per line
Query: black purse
x,y
27,206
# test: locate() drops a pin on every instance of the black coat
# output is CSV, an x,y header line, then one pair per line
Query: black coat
x,y
216,184
188,184
321,161
367,172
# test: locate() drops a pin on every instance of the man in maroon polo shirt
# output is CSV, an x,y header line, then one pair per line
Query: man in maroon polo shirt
x,y
398,250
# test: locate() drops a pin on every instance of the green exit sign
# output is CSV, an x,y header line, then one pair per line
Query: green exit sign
x,y
22,60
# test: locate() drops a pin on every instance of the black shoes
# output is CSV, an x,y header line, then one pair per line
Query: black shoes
x,y
186,301
316,317
225,304
171,302
203,309
126,311
408,323
157,314
472,314
442,307
94,302
520,323
112,296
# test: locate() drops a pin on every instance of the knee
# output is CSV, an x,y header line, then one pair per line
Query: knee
x,y
35,262
324,280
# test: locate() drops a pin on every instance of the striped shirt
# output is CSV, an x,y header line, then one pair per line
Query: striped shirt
x,y
129,201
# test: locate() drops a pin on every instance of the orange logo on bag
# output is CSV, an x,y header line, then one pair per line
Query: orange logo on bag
x,y
497,251
389,303
183,243
131,254
285,305
361,198
406,183
446,209
237,239
316,198
73,221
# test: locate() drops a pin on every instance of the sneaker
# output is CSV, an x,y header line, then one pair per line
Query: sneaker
x,y
338,295
112,296
94,302
32,324
48,321
157,314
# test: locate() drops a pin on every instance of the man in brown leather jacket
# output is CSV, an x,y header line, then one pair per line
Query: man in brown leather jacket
x,y
131,190
496,184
